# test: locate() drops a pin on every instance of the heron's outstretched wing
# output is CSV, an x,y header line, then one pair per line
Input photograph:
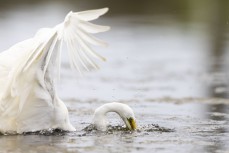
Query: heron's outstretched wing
x,y
20,73
43,51
77,33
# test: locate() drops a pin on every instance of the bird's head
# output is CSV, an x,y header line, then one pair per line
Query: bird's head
x,y
131,123
127,115
123,110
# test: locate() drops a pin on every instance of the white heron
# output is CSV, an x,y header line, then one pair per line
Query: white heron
x,y
28,98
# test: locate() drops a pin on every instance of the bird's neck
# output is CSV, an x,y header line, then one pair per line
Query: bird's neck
x,y
110,107
100,119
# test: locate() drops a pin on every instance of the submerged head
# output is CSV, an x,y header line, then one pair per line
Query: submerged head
x,y
123,110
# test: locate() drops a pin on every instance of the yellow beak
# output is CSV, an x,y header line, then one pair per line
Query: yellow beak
x,y
132,123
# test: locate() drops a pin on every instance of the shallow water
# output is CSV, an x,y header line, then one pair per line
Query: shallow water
x,y
171,72
180,127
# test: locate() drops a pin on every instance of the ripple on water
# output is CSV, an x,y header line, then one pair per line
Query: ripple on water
x,y
49,132
90,129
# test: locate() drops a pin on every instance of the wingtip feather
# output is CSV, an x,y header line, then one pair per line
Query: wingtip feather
x,y
91,14
78,30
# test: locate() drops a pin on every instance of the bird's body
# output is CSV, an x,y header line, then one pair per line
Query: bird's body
x,y
28,98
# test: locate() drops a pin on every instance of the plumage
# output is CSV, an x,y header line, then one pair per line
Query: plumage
x,y
28,98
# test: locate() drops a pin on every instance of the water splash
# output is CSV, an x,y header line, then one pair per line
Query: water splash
x,y
49,132
155,128
91,129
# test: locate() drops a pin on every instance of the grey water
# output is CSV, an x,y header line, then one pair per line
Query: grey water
x,y
168,61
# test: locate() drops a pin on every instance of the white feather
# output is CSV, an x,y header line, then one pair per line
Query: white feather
x,y
91,14
92,28
28,99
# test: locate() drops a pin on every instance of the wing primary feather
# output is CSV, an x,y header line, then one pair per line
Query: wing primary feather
x,y
32,58
72,57
24,65
39,52
76,33
92,28
79,55
69,55
90,39
58,62
88,49
91,14
90,61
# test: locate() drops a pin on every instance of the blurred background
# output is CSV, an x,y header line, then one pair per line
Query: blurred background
x,y
158,48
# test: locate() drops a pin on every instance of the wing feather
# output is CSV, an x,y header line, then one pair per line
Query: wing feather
x,y
77,33
38,52
89,50
45,48
50,53
90,39
91,14
92,28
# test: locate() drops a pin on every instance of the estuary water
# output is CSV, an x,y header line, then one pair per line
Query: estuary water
x,y
173,72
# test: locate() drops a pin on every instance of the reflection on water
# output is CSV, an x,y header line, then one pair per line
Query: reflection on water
x,y
168,60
